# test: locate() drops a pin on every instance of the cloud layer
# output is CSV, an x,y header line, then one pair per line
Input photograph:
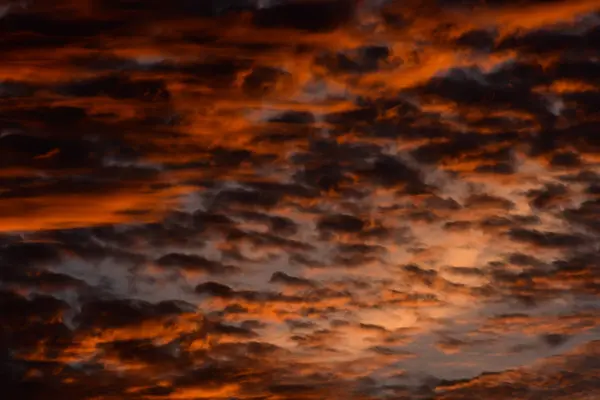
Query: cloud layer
x,y
313,199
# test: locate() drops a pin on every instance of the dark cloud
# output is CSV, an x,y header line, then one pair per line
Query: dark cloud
x,y
17,310
263,80
341,223
219,290
498,168
230,330
547,239
249,198
51,118
565,159
584,215
294,117
524,260
362,60
215,289
190,262
420,275
552,41
40,30
389,171
316,16
40,280
357,116
285,279
100,314
459,145
460,87
478,39
205,220
357,255
156,9
551,194
487,201
299,199
458,225
16,89
325,177
554,339
144,351
267,241
27,255
119,87
583,70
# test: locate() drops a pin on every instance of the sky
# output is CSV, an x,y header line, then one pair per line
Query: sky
x,y
300,199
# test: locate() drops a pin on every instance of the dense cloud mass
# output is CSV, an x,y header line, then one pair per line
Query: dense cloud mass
x,y
299,199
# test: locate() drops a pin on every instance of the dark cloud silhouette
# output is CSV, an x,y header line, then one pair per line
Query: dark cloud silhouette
x,y
285,279
341,223
119,87
322,15
547,239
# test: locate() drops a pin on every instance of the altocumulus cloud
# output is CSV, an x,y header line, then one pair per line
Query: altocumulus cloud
x,y
299,199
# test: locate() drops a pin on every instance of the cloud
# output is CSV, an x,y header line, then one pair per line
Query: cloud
x,y
299,199
194,263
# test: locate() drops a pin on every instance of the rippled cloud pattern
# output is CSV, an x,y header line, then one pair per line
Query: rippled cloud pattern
x,y
300,199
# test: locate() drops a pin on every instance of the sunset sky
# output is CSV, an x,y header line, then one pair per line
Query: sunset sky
x,y
300,199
